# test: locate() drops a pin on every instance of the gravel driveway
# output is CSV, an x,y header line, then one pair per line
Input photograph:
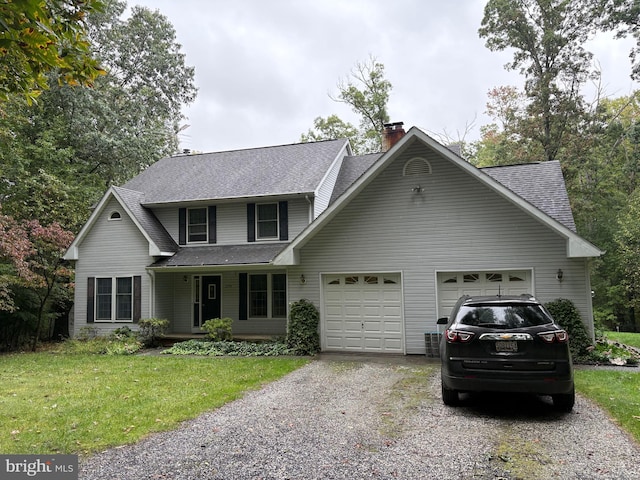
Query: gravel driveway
x,y
352,417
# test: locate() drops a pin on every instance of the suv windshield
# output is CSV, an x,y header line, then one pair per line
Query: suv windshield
x,y
503,315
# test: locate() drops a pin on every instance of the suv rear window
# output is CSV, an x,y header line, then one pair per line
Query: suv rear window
x,y
503,315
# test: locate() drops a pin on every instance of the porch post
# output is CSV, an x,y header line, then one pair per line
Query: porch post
x,y
152,286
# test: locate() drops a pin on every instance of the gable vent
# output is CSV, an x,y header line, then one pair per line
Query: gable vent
x,y
416,166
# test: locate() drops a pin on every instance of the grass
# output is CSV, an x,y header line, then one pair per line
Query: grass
x,y
82,403
617,392
627,338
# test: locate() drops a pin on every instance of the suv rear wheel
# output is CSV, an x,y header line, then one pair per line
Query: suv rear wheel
x,y
564,402
449,397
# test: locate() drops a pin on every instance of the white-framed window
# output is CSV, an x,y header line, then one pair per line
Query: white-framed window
x,y
114,299
268,295
197,225
267,221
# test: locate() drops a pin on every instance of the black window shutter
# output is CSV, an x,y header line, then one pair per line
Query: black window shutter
x,y
91,285
212,224
251,222
242,310
182,226
284,220
137,298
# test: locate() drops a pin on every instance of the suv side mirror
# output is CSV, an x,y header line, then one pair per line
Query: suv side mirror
x,y
443,321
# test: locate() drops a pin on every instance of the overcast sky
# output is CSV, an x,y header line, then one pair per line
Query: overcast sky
x,y
265,68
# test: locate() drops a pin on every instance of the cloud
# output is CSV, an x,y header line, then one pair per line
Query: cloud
x,y
265,69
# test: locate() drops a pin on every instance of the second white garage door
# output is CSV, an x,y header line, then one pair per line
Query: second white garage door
x,y
452,285
363,313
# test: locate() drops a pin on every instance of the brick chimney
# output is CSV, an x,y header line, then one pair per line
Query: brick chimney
x,y
391,134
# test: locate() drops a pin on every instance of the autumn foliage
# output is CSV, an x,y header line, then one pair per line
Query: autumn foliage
x,y
31,260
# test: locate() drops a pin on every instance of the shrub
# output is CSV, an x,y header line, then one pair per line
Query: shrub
x,y
231,349
302,332
567,316
111,345
151,329
87,333
123,332
218,328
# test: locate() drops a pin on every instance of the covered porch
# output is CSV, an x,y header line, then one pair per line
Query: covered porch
x,y
238,282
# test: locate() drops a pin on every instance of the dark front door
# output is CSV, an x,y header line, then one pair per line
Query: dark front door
x,y
211,297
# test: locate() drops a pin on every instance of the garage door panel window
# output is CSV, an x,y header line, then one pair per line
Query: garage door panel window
x,y
268,296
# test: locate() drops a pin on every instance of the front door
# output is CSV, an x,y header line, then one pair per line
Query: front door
x,y
208,295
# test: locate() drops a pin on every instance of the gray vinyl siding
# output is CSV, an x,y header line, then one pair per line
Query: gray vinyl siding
x,y
457,223
325,190
163,298
231,219
174,296
111,249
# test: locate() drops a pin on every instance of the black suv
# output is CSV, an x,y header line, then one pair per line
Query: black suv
x,y
505,344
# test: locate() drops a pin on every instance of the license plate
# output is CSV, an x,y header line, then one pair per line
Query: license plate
x,y
507,346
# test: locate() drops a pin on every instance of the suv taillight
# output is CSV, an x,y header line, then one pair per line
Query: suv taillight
x,y
454,336
557,336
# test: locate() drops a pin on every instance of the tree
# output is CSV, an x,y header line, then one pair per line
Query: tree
x,y
505,142
331,128
623,17
47,269
77,141
14,251
367,93
38,37
548,38
31,257
628,240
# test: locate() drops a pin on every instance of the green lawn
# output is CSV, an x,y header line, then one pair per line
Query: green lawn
x,y
82,403
617,392
53,403
631,339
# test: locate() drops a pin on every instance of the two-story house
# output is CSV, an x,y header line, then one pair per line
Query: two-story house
x,y
382,244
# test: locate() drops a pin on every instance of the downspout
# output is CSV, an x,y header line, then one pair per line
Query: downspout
x,y
310,202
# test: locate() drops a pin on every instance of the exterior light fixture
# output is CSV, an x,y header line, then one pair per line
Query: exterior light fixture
x,y
302,279
417,189
559,275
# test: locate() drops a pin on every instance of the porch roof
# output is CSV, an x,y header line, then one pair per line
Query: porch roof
x,y
219,255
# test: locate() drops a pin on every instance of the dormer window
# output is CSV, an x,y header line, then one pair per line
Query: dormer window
x,y
115,216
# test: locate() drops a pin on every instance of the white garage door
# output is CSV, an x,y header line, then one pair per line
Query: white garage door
x,y
452,285
363,313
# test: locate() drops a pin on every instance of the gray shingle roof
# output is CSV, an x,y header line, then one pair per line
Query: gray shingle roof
x,y
222,255
352,168
147,220
280,170
541,184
